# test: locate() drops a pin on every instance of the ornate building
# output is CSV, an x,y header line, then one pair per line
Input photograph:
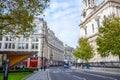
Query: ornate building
x,y
92,17
55,49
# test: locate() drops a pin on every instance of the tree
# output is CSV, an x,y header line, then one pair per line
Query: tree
x,y
84,51
108,40
16,16
76,53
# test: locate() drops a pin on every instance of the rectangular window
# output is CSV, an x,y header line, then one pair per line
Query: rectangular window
x,y
86,31
35,39
0,45
7,38
98,23
6,45
93,28
32,46
35,46
9,45
0,38
26,46
21,46
23,38
13,46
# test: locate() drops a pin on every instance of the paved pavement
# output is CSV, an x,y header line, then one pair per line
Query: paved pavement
x,y
39,75
104,70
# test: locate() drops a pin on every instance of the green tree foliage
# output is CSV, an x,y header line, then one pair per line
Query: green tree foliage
x,y
84,51
76,53
109,37
16,16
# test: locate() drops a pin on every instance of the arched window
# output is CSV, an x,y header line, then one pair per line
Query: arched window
x,y
104,16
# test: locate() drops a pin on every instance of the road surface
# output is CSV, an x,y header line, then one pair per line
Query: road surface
x,y
58,73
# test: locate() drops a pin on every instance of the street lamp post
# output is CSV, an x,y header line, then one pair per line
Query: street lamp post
x,y
6,69
42,56
5,66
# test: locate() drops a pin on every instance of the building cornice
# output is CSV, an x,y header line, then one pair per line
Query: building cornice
x,y
92,36
53,47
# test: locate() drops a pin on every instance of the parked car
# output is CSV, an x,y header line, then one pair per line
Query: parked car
x,y
66,66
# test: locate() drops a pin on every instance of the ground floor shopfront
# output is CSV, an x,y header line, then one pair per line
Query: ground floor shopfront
x,y
36,62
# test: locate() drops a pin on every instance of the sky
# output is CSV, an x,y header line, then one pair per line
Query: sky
x,y
63,17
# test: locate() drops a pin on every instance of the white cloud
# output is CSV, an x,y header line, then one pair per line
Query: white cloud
x,y
63,18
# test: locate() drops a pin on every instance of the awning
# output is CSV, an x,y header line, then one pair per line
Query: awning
x,y
17,56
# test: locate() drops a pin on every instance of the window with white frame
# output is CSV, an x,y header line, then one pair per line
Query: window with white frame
x,y
34,45
9,46
23,46
8,38
21,38
35,39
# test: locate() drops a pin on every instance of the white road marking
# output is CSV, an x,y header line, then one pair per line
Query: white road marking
x,y
99,76
78,77
55,71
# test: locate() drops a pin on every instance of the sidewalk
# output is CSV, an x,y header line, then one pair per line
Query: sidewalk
x,y
104,70
39,75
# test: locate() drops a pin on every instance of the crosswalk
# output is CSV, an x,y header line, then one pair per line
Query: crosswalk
x,y
62,70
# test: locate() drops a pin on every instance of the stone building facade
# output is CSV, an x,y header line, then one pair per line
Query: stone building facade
x,y
50,48
43,41
55,49
92,16
68,54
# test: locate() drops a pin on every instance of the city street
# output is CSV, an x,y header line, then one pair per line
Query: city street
x,y
75,74
59,39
